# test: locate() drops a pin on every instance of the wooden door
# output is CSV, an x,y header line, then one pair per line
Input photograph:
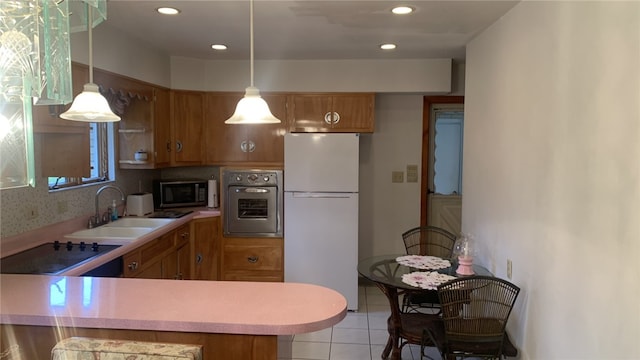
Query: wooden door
x,y
162,128
187,127
354,113
205,248
308,113
223,141
438,209
268,139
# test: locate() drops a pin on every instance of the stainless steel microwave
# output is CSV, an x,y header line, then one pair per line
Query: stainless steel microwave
x,y
179,193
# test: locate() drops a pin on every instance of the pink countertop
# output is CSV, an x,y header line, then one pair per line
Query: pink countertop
x,y
56,232
233,307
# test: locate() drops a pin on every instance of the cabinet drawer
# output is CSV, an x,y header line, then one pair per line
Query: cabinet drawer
x,y
148,255
252,258
250,254
157,247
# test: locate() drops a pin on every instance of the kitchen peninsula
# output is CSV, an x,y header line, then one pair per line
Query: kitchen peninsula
x,y
229,319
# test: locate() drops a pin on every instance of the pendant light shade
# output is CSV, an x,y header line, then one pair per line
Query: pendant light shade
x,y
90,105
252,109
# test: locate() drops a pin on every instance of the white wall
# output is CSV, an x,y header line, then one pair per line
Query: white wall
x,y
394,76
388,209
552,172
122,54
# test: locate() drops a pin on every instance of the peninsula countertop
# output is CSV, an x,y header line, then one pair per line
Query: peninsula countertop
x,y
231,307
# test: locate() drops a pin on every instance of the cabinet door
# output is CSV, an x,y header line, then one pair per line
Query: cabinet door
x,y
183,257
205,248
355,113
187,126
162,128
224,142
58,136
266,141
308,113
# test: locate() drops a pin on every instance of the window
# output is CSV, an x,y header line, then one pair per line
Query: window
x,y
101,157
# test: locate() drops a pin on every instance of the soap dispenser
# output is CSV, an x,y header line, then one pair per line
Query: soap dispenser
x,y
114,212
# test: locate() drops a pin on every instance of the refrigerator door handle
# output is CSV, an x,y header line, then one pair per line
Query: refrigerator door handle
x,y
321,195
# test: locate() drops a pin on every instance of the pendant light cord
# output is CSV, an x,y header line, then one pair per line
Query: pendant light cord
x,y
251,36
90,24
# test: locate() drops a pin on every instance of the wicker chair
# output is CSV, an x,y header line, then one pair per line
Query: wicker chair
x,y
475,311
426,240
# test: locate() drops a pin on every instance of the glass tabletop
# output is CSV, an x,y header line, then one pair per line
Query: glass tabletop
x,y
386,270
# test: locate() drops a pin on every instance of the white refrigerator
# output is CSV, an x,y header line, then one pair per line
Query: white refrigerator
x,y
321,211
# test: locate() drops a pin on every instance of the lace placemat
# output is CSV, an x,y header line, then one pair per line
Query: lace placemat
x,y
423,262
428,280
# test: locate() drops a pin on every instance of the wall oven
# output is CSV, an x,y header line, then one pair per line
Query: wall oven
x,y
253,203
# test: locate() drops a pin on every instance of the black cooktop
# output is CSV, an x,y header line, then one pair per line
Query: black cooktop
x,y
52,258
170,214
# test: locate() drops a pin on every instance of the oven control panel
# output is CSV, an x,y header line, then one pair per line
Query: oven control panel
x,y
252,177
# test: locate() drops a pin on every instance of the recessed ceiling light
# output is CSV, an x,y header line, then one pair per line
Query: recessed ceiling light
x,y
402,10
388,46
219,47
168,11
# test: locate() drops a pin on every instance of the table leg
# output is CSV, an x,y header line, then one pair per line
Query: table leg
x,y
393,324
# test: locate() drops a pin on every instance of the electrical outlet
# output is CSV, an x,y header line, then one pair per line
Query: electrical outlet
x,y
63,206
412,173
397,176
31,212
509,268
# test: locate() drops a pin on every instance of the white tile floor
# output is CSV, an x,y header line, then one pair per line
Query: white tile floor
x,y
362,335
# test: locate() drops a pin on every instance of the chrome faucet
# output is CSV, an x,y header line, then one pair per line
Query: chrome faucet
x,y
97,220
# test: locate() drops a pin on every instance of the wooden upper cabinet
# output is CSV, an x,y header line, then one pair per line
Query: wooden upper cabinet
x,y
58,136
187,116
232,144
162,127
347,112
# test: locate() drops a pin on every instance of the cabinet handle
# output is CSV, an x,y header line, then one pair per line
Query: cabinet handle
x,y
133,265
168,146
198,258
252,146
252,259
184,235
178,146
336,118
243,146
327,118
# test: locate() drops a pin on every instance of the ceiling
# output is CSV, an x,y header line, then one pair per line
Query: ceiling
x,y
307,29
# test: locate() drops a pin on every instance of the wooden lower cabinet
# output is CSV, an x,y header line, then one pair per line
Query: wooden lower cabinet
x,y
205,248
36,342
167,257
252,259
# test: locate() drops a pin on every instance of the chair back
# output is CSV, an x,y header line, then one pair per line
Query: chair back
x,y
475,309
429,240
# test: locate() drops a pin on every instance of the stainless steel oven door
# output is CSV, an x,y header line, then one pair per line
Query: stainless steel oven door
x,y
252,211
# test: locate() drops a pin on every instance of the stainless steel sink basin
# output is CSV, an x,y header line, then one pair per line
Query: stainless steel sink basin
x,y
139,222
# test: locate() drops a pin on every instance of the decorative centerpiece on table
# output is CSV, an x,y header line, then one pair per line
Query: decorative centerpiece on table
x,y
464,249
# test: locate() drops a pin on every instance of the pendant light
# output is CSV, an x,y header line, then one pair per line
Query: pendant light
x,y
90,105
252,109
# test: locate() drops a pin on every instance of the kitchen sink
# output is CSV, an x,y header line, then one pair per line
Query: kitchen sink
x,y
122,230
109,233
138,222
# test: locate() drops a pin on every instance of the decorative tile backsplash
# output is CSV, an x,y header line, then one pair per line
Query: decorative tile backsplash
x,y
27,208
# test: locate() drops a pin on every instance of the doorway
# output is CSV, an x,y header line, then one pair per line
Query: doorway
x,y
441,180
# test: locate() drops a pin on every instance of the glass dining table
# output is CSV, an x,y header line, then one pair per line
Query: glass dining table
x,y
404,327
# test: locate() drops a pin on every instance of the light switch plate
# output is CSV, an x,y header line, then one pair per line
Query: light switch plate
x,y
412,173
397,176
